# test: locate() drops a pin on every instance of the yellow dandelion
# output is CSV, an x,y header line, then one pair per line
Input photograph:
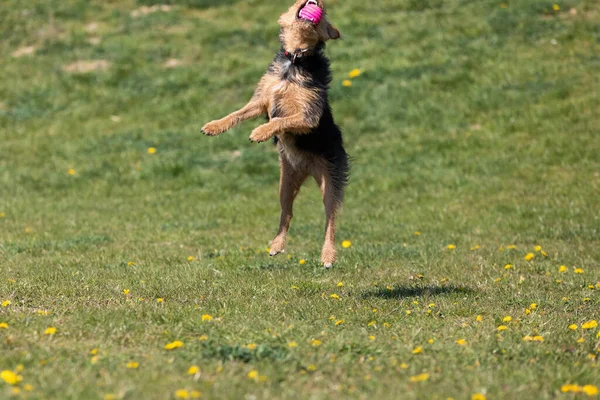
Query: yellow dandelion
x,y
346,244
50,331
451,247
193,370
528,338
10,377
511,247
160,300
372,323
562,269
253,374
252,346
71,172
3,325
340,284
339,322
334,296
417,233
151,150
347,83
191,258
419,378
354,73
292,344
182,394
6,303
207,317
538,248
568,388
581,340
556,7
27,387
461,342
481,396
533,306
386,325
476,247
590,324
132,365
590,390
94,352
302,261
372,337
507,319
538,338
573,327
544,253
529,256
174,345
408,312
508,266
431,341
203,338
578,271
294,287
311,367
125,292
502,328
2,214
479,318
130,264
195,394
417,350
315,342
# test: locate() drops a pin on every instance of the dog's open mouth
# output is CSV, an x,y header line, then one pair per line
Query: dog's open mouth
x,y
311,12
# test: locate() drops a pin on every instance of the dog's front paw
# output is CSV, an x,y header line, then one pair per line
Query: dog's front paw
x,y
213,128
261,134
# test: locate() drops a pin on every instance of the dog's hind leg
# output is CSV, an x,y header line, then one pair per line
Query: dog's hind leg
x,y
331,203
290,182
332,179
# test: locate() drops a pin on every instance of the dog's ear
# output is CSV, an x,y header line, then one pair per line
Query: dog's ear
x,y
333,32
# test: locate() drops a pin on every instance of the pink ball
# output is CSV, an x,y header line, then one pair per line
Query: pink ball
x,y
312,13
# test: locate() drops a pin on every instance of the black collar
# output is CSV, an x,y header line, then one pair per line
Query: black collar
x,y
299,53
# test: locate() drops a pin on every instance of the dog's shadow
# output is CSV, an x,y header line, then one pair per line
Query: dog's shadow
x,y
403,292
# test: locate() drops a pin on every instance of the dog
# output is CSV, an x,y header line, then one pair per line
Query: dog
x,y
293,96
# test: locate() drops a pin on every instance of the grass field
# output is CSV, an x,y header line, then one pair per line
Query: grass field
x,y
475,132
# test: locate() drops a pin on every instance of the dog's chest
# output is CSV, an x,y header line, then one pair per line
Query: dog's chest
x,y
281,100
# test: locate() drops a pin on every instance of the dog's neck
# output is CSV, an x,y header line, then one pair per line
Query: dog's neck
x,y
300,55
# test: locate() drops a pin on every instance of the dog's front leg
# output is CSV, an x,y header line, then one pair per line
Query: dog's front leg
x,y
297,124
251,110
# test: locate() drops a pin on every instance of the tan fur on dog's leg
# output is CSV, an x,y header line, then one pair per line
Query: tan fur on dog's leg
x,y
252,110
289,185
328,253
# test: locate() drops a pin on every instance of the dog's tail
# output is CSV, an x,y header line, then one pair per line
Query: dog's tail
x,y
339,169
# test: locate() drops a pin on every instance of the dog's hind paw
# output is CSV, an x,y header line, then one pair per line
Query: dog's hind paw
x,y
328,265
274,252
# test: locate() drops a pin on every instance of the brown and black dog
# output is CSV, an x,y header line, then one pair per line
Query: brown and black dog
x,y
293,94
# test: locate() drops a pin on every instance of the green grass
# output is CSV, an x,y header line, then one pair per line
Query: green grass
x,y
471,123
